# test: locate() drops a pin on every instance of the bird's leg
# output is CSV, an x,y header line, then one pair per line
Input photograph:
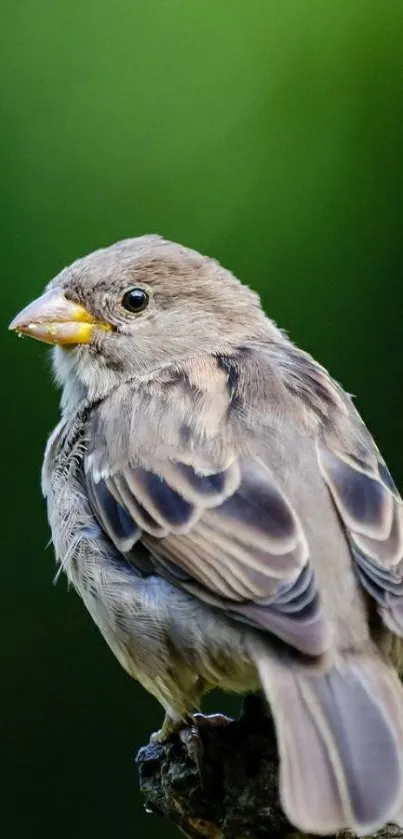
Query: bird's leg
x,y
187,726
188,731
172,725
192,740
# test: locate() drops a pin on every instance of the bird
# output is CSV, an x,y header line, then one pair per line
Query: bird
x,y
219,505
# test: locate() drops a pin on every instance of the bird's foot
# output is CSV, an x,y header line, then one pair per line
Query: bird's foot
x,y
192,740
173,726
170,727
205,720
188,732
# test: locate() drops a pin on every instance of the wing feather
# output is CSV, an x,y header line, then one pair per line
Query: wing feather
x,y
371,509
231,538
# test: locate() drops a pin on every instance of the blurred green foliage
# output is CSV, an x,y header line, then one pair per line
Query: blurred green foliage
x,y
268,134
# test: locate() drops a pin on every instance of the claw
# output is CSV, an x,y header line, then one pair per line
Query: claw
x,y
192,741
169,728
156,738
189,734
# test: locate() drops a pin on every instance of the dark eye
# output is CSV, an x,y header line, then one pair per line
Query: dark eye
x,y
135,300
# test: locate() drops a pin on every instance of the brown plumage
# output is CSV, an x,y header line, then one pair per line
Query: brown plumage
x,y
226,517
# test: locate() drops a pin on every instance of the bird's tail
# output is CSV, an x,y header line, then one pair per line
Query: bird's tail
x,y
340,741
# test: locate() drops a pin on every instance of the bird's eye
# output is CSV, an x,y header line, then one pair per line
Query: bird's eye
x,y
135,300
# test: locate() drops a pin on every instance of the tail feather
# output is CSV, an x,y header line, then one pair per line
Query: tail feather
x,y
340,740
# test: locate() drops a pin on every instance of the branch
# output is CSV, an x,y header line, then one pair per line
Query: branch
x,y
233,792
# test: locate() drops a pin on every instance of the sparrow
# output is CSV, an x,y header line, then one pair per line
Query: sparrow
x,y
226,517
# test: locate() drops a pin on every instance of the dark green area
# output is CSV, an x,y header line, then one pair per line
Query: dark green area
x,y
268,134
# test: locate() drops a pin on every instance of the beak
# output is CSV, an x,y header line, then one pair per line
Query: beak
x,y
55,320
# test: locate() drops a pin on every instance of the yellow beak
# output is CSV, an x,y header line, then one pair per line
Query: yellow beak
x,y
55,320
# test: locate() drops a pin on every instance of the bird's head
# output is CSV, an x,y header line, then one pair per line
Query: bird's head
x,y
124,311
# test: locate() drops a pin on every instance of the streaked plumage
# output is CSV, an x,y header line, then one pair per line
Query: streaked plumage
x,y
226,517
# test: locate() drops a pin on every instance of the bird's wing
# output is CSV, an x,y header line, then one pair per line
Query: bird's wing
x,y
229,536
361,487
371,510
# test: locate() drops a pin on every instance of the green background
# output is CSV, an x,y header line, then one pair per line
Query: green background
x,y
268,134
